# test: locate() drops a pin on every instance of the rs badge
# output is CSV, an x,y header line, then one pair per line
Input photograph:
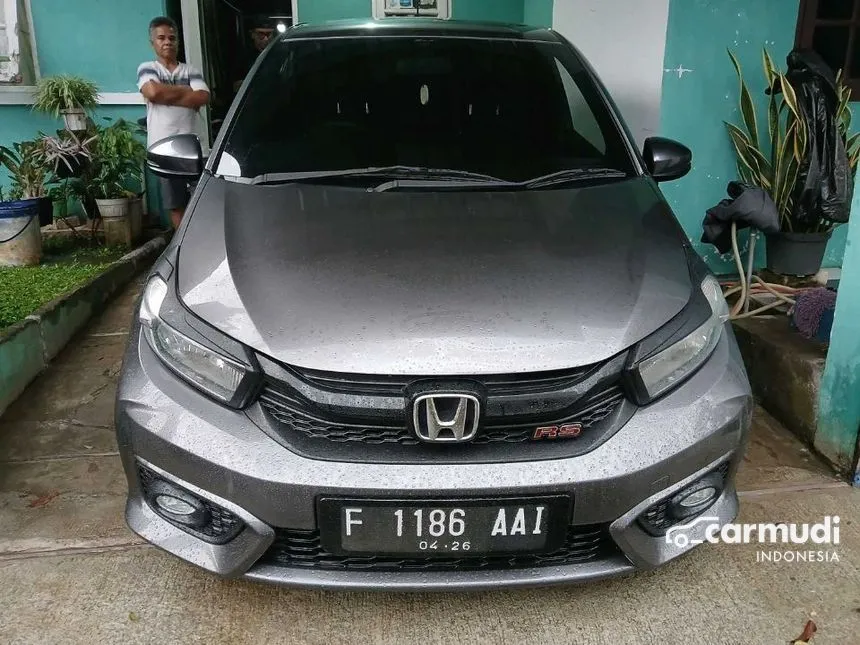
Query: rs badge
x,y
566,431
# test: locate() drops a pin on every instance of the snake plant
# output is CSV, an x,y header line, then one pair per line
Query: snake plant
x,y
771,159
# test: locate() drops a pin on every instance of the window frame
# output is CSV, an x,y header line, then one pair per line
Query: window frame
x,y
13,30
806,24
443,10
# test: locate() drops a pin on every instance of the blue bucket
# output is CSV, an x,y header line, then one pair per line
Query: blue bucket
x,y
21,208
15,217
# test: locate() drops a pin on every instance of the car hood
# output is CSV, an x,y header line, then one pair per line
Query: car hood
x,y
433,283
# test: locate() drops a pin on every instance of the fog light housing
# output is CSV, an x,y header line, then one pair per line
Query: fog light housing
x,y
697,497
177,505
689,502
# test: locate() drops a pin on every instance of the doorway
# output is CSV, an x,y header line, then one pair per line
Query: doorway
x,y
231,35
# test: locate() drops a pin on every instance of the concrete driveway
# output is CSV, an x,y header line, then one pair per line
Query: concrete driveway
x,y
71,572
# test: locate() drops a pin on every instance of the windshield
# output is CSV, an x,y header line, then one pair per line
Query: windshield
x,y
513,110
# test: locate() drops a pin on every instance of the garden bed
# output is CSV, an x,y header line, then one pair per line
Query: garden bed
x,y
66,265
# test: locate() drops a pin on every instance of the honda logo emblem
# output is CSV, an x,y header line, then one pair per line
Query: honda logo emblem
x,y
446,418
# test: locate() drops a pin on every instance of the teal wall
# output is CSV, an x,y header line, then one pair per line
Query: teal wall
x,y
538,13
312,11
105,41
496,10
695,105
839,402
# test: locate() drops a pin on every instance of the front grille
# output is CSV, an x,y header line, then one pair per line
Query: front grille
x,y
289,411
302,549
222,525
657,519
495,384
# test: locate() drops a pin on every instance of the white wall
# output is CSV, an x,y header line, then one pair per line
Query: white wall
x,y
624,41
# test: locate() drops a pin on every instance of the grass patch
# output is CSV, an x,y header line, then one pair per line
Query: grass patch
x,y
63,268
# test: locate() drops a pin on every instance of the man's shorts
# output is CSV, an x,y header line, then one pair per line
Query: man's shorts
x,y
174,193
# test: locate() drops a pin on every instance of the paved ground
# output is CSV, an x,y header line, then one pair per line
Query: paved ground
x,y
70,572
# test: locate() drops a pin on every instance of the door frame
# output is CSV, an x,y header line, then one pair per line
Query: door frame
x,y
194,52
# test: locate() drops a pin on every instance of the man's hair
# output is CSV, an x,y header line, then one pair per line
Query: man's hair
x,y
162,21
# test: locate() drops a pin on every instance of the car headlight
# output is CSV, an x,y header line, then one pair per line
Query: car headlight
x,y
211,371
665,369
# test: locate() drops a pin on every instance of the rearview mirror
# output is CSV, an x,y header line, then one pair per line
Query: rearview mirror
x,y
666,159
179,156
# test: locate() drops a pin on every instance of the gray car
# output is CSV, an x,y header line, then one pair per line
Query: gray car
x,y
428,323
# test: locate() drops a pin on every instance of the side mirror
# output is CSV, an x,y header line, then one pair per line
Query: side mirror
x,y
179,156
666,159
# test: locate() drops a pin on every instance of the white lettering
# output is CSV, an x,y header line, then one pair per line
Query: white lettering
x,y
821,532
711,533
537,520
748,529
350,521
500,527
800,534
768,533
519,527
836,529
730,534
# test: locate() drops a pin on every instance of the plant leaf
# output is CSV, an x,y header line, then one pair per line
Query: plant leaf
x,y
790,98
771,72
746,104
749,157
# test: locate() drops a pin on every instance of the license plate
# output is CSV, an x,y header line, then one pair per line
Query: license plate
x,y
447,528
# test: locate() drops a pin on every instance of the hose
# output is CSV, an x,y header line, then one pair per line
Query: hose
x,y
747,289
32,217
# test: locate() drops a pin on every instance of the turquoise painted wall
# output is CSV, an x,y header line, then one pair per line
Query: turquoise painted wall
x,y
105,41
704,93
538,13
839,397
495,10
313,11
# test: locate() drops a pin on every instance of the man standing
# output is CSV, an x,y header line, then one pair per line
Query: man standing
x,y
174,94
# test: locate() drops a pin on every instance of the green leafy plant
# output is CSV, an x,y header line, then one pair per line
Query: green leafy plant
x,y
772,159
66,148
25,163
64,92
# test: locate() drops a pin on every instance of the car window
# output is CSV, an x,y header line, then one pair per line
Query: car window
x,y
512,109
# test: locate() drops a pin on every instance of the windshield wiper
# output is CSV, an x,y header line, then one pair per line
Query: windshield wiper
x,y
407,172
573,174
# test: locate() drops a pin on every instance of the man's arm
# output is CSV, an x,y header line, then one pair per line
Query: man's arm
x,y
162,94
199,91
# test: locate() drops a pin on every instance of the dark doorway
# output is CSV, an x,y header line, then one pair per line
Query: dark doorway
x,y
230,32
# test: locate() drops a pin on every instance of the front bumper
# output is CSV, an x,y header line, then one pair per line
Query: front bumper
x,y
221,456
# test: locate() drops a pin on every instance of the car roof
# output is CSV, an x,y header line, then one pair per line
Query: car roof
x,y
420,27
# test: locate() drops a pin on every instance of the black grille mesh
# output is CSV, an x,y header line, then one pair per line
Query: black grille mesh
x,y
289,412
302,549
222,527
657,520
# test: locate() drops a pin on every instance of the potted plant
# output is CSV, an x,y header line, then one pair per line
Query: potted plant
x,y
68,95
22,212
773,159
66,154
30,176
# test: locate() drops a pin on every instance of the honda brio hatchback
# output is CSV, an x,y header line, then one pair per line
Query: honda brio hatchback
x,y
428,323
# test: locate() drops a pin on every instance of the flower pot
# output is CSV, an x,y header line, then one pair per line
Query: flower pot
x,y
136,217
20,235
113,208
797,254
116,221
46,211
76,119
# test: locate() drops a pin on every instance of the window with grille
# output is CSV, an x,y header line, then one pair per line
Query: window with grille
x,y
16,60
832,29
433,8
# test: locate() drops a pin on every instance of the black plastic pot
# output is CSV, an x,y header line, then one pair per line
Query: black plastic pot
x,y
797,254
46,211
